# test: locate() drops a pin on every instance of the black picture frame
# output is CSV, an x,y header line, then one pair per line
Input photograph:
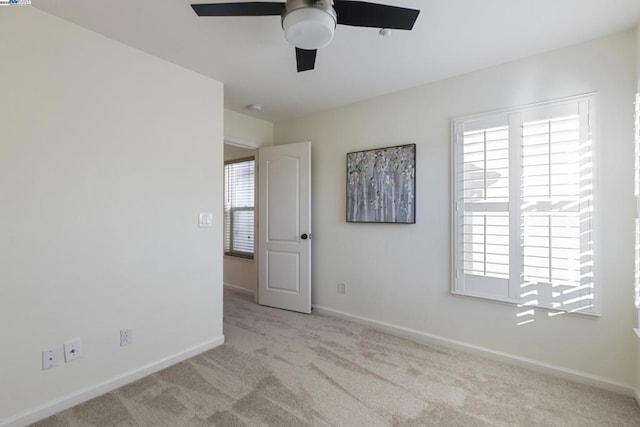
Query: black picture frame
x,y
381,185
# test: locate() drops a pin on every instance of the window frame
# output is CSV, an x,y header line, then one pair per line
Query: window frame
x,y
513,119
231,252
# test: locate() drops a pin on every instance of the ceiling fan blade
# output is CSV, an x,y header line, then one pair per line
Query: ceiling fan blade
x,y
255,8
306,59
365,14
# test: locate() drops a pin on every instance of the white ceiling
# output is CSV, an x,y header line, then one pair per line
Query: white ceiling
x,y
256,64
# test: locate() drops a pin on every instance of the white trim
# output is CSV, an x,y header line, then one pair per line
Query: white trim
x,y
239,289
637,396
526,107
569,374
519,303
80,396
596,232
240,143
455,206
637,331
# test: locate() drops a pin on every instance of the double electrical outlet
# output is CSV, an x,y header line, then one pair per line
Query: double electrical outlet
x,y
52,357
342,288
126,336
72,350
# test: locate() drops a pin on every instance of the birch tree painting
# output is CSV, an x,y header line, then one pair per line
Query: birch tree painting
x,y
381,185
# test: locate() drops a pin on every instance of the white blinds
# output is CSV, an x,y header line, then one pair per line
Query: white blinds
x,y
239,192
523,206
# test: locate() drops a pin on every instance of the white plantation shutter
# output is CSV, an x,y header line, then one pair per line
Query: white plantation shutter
x,y
556,204
239,193
486,244
523,206
484,207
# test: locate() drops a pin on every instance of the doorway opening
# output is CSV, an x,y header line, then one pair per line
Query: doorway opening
x,y
240,261
276,269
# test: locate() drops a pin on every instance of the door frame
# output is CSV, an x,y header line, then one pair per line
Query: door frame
x,y
236,142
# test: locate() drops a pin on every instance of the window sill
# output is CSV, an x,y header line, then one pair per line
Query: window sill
x,y
507,301
239,258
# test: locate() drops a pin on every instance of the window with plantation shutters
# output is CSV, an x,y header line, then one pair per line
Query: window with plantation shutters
x,y
239,193
523,206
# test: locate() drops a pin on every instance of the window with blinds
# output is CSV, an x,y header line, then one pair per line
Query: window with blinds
x,y
239,193
523,206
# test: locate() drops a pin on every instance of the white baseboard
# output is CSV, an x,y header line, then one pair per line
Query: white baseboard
x,y
73,399
569,374
239,289
638,397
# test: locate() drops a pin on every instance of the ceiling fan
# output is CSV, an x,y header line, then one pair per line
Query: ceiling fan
x,y
309,24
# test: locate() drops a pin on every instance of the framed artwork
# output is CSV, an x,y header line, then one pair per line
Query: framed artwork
x,y
381,185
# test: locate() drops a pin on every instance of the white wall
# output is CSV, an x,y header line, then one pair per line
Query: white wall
x,y
107,155
242,128
638,50
400,274
638,325
241,273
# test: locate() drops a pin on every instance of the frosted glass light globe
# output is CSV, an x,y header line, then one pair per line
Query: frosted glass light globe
x,y
309,28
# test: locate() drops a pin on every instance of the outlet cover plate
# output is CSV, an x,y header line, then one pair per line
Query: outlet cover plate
x,y
126,336
72,349
51,358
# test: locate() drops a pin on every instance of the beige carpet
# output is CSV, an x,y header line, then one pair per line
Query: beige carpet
x,y
285,369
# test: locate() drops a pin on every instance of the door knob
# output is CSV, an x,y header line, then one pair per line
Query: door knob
x,y
304,236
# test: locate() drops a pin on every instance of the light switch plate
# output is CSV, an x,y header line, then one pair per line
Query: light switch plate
x,y
205,219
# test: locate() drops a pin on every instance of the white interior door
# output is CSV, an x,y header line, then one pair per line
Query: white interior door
x,y
284,227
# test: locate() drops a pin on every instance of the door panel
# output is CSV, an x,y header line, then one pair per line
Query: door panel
x,y
283,173
283,274
284,227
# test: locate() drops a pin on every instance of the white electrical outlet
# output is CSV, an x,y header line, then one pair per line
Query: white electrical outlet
x,y
51,358
126,336
72,349
342,288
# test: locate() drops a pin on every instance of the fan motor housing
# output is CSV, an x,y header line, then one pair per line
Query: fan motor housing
x,y
325,5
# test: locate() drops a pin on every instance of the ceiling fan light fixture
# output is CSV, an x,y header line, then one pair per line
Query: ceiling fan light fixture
x,y
309,28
